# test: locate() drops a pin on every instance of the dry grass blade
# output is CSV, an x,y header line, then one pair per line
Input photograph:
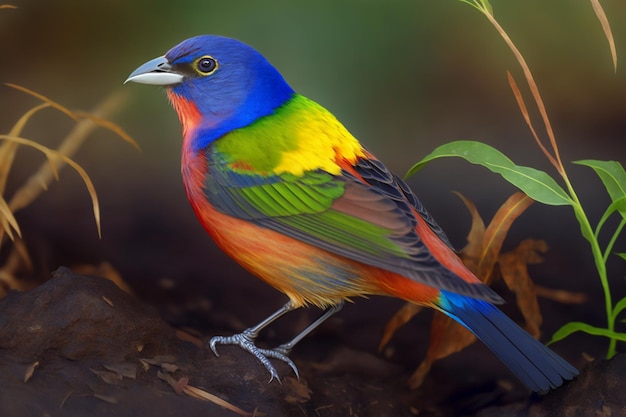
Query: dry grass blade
x,y
72,142
17,128
606,27
52,155
17,260
534,90
203,395
522,106
200,394
45,99
19,257
30,371
107,124
8,220
8,148
7,6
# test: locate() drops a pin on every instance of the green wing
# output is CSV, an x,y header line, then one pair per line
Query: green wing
x,y
369,218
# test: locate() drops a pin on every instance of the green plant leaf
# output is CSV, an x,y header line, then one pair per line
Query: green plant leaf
x,y
621,255
612,175
481,5
535,183
577,326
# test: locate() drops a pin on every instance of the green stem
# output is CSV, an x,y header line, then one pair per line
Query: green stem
x,y
609,246
599,261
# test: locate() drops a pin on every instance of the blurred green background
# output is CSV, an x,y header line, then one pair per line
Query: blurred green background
x,y
403,75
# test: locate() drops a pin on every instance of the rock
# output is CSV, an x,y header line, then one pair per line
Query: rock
x,y
78,345
597,392
78,317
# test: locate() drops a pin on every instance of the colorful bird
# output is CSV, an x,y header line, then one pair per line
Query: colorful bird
x,y
286,191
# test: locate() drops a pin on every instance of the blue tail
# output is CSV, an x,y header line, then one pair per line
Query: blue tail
x,y
538,367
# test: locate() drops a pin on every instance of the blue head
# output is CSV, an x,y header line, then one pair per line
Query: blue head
x,y
230,84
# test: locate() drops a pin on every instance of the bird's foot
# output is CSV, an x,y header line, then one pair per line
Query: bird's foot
x,y
245,341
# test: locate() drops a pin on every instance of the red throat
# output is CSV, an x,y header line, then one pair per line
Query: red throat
x,y
188,113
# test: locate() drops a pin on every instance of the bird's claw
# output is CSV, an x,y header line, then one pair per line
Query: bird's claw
x,y
245,341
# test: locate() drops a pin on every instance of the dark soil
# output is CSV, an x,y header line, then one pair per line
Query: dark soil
x,y
77,345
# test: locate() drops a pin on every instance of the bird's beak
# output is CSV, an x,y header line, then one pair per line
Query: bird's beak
x,y
157,71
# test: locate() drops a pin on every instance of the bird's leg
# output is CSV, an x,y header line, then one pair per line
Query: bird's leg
x,y
285,348
245,340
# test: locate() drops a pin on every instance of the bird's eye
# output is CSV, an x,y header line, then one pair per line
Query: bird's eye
x,y
206,65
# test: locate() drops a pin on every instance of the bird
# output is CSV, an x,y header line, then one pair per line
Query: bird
x,y
285,190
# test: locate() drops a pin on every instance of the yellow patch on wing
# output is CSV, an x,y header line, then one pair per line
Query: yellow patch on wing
x,y
321,139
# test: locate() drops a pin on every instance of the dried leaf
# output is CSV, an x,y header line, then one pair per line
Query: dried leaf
x,y
561,296
514,269
160,359
398,320
169,367
165,362
446,337
124,369
107,376
471,253
144,364
480,255
497,230
107,398
178,385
